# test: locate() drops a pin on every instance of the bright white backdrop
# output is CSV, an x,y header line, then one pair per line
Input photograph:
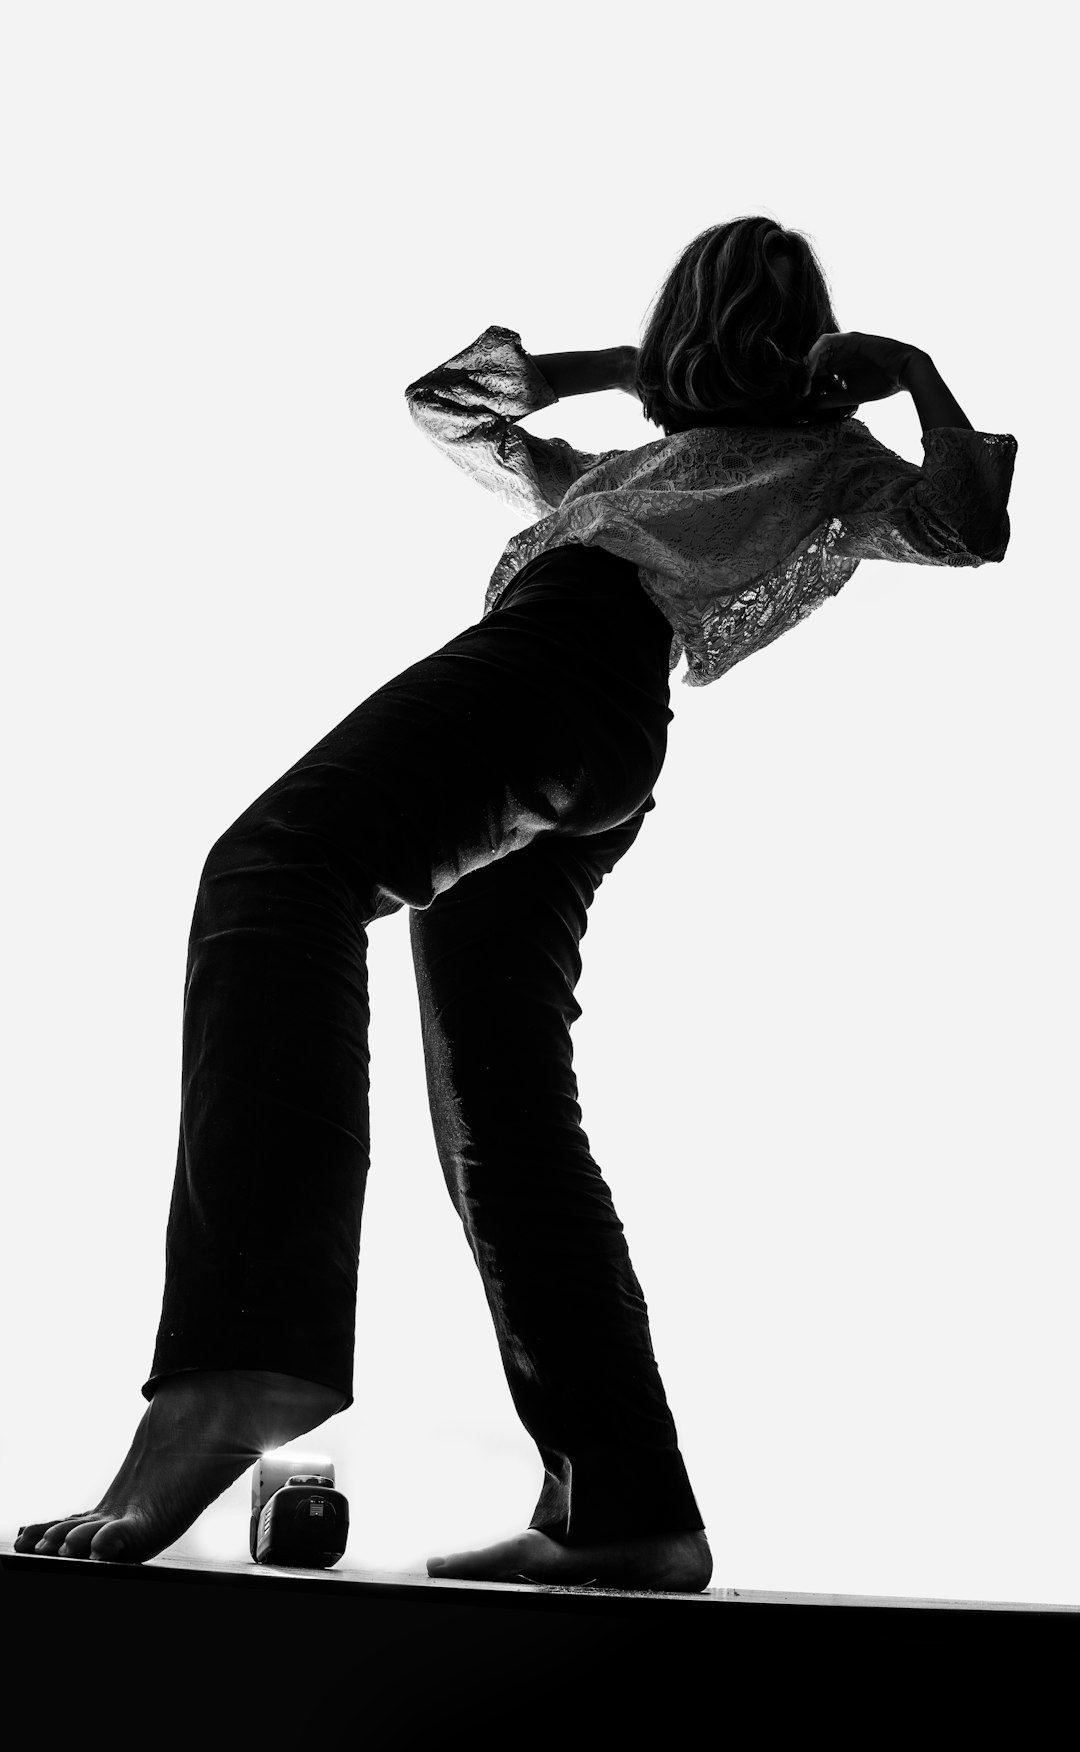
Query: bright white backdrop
x,y
827,1056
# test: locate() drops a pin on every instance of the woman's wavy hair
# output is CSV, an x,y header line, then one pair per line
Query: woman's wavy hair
x,y
726,333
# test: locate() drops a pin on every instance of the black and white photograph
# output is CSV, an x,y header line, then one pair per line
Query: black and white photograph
x,y
540,981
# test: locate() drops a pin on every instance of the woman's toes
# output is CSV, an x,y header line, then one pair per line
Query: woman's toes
x,y
112,1543
50,1542
46,1537
93,1535
77,1539
491,1563
69,1537
531,1554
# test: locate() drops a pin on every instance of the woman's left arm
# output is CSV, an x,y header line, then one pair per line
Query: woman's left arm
x,y
582,373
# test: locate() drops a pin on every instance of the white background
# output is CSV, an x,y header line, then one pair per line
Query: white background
x,y
827,1059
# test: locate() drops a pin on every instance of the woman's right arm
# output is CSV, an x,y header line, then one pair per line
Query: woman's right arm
x,y
933,399
849,368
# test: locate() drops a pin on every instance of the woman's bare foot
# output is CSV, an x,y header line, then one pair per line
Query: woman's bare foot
x,y
670,1563
200,1431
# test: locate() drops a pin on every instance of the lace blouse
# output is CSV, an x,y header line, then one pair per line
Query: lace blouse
x,y
738,532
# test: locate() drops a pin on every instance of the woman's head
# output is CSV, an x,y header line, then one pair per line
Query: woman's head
x,y
726,337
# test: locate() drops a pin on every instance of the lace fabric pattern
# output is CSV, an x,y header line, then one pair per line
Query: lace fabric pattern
x,y
737,532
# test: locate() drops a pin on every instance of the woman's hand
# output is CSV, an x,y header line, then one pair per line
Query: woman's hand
x,y
843,370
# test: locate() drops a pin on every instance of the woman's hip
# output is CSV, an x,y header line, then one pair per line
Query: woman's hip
x,y
592,602
510,730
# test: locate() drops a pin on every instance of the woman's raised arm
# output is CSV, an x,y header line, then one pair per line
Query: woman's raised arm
x,y
581,373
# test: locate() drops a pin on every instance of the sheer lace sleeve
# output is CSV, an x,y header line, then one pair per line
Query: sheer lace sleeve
x,y
950,512
468,407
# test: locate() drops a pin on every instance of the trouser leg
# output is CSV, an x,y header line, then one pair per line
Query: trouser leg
x,y
506,736
497,961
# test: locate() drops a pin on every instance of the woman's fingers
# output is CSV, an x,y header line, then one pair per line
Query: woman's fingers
x,y
868,367
817,357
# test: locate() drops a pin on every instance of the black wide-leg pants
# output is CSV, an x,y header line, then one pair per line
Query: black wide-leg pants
x,y
489,788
